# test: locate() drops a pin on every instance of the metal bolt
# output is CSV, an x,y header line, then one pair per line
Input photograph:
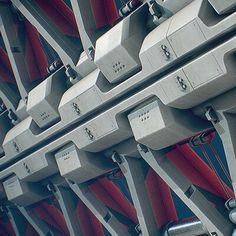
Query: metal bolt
x,y
143,148
91,52
71,181
138,228
166,51
2,108
12,116
116,158
54,66
16,147
231,203
26,167
211,115
71,74
51,187
76,108
115,174
89,133
181,83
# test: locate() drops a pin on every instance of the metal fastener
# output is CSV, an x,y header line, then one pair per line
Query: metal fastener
x,y
166,51
89,133
76,108
181,83
16,147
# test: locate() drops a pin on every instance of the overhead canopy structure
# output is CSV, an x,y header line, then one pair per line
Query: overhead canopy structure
x,y
117,117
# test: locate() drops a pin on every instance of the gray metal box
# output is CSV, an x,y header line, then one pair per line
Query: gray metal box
x,y
117,51
18,138
23,193
207,76
81,166
35,167
44,99
184,33
156,49
103,131
82,97
158,126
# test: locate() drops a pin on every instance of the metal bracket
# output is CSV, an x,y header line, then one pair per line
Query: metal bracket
x,y
211,115
89,133
155,11
181,83
76,108
72,75
166,52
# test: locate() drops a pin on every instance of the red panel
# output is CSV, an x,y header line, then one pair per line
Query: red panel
x,y
161,199
3,232
120,198
89,224
111,11
6,229
107,192
30,231
97,226
84,220
61,15
195,169
4,59
10,229
52,216
104,11
36,59
5,68
136,3
57,216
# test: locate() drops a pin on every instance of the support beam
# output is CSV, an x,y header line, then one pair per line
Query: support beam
x,y
132,169
107,219
67,201
40,226
15,50
68,51
214,220
225,125
18,222
9,95
86,24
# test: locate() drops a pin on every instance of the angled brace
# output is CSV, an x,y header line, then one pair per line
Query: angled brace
x,y
214,221
85,22
40,226
18,222
14,50
68,51
133,172
67,201
225,125
107,219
